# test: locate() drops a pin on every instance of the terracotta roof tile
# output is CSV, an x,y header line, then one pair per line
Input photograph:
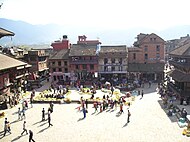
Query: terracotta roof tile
x,y
83,50
9,62
183,50
62,54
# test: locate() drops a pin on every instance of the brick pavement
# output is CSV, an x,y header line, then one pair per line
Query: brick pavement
x,y
149,123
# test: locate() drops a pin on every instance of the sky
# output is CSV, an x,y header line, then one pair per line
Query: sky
x,y
100,14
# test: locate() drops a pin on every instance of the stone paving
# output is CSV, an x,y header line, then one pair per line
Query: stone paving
x,y
149,123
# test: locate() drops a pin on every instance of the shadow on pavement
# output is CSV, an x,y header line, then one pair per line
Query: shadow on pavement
x,y
80,119
17,138
93,113
108,110
118,114
14,113
2,134
37,122
42,124
112,110
125,125
98,113
43,130
172,118
15,121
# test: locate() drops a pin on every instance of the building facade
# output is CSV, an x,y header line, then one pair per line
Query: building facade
x,y
39,70
147,57
179,80
112,63
59,65
13,78
83,61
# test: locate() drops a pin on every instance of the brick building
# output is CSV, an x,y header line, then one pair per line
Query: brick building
x,y
84,61
13,77
147,57
39,70
113,63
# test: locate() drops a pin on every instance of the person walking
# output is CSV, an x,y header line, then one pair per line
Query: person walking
x,y
142,93
128,116
19,113
86,103
23,114
24,128
84,112
43,114
7,127
49,119
121,108
31,136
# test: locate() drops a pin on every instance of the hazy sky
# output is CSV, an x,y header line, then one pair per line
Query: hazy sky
x,y
106,14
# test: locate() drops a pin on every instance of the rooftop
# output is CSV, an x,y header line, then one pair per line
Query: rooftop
x,y
9,62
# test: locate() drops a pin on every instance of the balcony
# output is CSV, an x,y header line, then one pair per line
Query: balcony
x,y
112,72
84,62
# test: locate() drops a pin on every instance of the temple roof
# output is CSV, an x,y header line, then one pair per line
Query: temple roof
x,y
9,62
4,32
183,50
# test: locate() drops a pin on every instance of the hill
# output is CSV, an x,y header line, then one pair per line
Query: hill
x,y
26,33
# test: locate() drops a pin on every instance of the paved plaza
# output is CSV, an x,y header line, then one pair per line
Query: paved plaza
x,y
148,123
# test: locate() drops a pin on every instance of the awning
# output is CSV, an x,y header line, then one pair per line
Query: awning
x,y
179,76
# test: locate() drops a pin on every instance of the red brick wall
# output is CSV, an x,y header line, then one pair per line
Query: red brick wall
x,y
61,45
2,79
151,50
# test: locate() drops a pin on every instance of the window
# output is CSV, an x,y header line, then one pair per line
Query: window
x,y
77,67
66,70
91,67
105,68
154,39
91,58
32,58
150,39
146,48
113,68
120,60
65,63
134,56
146,56
105,60
59,63
157,55
60,69
53,63
84,66
54,69
113,61
157,47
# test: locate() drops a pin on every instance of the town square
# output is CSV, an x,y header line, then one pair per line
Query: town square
x,y
94,71
148,122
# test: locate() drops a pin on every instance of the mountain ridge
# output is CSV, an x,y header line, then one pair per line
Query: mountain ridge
x,y
26,33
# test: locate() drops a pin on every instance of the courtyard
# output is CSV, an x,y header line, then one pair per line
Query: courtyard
x,y
148,123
